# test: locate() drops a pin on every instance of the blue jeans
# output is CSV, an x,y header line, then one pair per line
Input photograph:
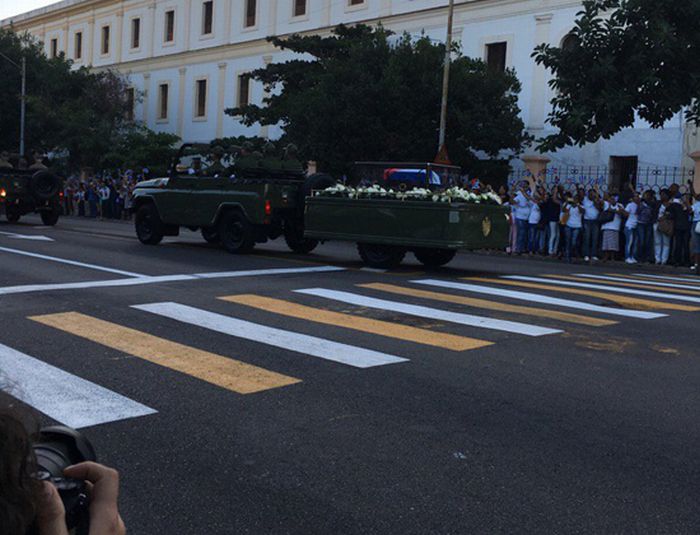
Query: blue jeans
x,y
630,243
521,246
645,242
591,235
571,237
535,242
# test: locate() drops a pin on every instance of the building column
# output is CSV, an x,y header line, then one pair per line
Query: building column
x,y
537,165
265,129
326,14
152,38
119,40
696,177
539,84
221,94
188,25
181,102
228,22
66,40
146,96
90,41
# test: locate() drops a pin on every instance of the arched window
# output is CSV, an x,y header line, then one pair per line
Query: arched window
x,y
570,42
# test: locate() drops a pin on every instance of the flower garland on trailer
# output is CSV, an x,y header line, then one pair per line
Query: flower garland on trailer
x,y
450,195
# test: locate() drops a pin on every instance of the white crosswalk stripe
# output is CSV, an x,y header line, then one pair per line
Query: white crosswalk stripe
x,y
433,313
65,397
638,281
300,343
539,298
665,277
614,289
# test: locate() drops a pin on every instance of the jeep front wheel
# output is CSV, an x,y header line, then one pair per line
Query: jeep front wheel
x,y
149,227
236,233
211,235
50,218
12,213
434,258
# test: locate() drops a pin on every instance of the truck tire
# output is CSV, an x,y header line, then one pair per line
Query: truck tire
x,y
236,233
211,235
294,237
44,185
381,256
50,218
149,227
12,213
434,258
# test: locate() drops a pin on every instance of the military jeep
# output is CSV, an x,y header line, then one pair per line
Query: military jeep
x,y
29,190
236,197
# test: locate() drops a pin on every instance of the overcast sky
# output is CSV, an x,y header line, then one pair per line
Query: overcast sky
x,y
9,8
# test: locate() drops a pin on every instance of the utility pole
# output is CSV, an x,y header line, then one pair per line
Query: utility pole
x,y
442,156
23,110
23,97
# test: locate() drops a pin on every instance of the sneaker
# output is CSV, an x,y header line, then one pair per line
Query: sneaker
x,y
596,259
586,259
630,261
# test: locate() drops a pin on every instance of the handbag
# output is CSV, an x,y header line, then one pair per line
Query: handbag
x,y
666,226
606,217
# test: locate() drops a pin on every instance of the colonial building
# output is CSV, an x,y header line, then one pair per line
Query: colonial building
x,y
190,58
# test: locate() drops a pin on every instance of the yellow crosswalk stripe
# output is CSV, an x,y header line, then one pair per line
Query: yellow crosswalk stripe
x,y
629,302
215,369
491,305
349,321
626,284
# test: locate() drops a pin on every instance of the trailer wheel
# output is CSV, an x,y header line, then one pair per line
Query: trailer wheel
x,y
294,236
236,233
433,258
149,227
381,256
211,235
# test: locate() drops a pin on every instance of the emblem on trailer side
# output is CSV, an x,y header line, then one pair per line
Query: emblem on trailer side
x,y
486,226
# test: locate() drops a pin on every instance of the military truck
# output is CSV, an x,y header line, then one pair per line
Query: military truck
x,y
235,196
29,189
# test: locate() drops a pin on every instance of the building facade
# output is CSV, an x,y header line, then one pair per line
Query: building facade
x,y
189,59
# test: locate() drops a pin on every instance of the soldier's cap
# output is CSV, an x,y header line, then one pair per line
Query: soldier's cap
x,y
218,150
247,145
269,148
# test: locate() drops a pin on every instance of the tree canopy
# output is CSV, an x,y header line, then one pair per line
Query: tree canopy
x,y
364,94
80,111
624,58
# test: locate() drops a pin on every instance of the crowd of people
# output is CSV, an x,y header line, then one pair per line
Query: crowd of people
x,y
629,225
103,197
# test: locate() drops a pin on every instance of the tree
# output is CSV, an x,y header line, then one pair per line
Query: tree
x,y
624,58
77,110
138,147
364,94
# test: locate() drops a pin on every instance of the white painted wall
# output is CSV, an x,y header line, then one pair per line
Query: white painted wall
x,y
232,49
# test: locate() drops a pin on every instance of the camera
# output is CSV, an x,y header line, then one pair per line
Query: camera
x,y
57,448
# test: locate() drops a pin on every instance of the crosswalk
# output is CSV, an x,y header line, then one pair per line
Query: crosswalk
x,y
471,314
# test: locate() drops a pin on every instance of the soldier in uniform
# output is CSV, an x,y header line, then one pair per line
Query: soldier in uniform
x,y
5,160
216,168
38,164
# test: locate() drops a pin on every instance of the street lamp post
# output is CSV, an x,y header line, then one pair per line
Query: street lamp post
x,y
23,97
442,149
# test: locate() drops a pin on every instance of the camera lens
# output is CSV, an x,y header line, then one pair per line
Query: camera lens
x,y
59,447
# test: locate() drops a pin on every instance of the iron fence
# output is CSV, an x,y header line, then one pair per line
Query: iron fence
x,y
607,178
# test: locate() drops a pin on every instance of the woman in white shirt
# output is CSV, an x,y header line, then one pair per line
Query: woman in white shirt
x,y
662,240
611,229
573,213
630,229
695,249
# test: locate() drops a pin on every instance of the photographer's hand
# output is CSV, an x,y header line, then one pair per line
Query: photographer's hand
x,y
51,516
103,483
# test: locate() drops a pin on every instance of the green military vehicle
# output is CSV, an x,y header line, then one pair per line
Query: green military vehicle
x,y
29,189
237,198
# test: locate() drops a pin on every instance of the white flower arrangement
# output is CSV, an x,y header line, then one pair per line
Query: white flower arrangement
x,y
450,195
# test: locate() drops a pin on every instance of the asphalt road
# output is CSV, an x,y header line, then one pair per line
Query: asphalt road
x,y
483,411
